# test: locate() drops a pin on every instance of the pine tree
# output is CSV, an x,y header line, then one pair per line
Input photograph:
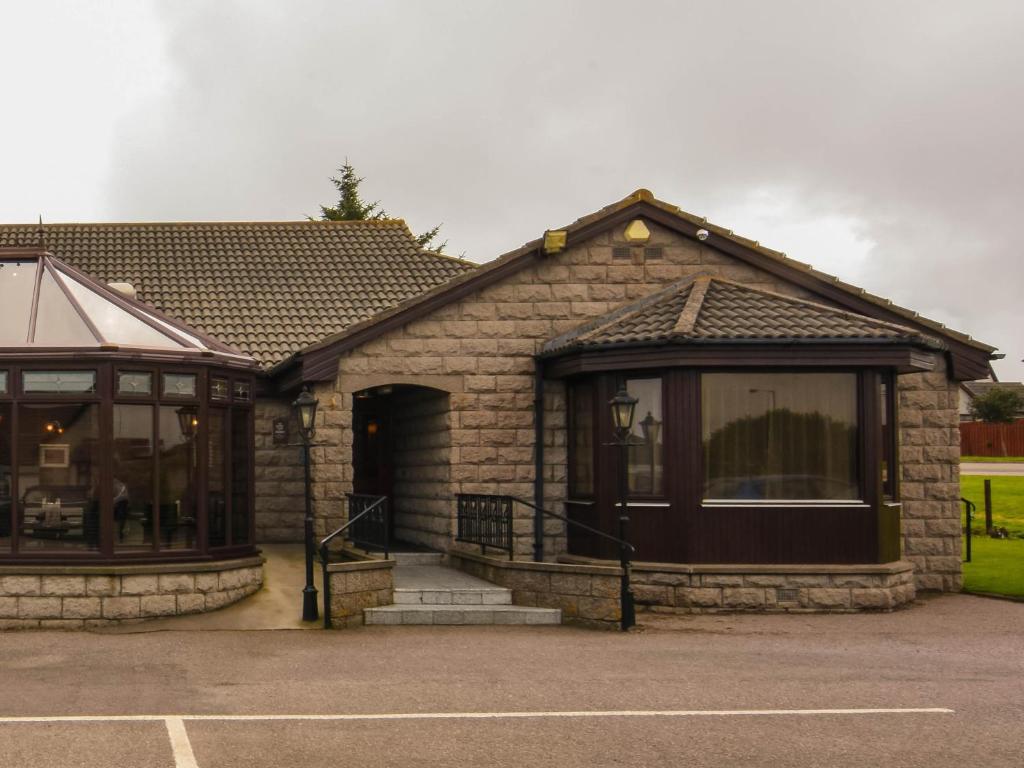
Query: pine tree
x,y
350,206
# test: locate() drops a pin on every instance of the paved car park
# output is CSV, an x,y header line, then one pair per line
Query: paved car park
x,y
939,684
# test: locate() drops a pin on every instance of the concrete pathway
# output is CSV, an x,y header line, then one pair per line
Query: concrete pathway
x,y
277,606
993,468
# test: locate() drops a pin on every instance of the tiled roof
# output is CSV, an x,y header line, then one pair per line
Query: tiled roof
x,y
710,309
267,288
975,388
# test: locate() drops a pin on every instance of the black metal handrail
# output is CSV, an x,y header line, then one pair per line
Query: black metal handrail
x,y
373,507
485,520
969,506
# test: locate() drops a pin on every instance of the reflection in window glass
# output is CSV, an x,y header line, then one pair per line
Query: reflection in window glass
x,y
58,476
133,476
3,382
17,284
242,391
58,323
219,389
240,477
134,383
180,384
178,452
63,382
6,507
216,503
772,436
581,439
646,477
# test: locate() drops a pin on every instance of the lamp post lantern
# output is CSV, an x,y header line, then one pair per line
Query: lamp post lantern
x,y
623,407
305,413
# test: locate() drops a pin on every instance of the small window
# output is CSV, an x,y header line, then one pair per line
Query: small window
x,y
134,383
180,384
243,391
59,382
3,382
653,253
219,389
621,252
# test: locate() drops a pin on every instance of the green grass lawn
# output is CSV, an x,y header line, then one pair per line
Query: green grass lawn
x,y
996,567
993,459
1007,502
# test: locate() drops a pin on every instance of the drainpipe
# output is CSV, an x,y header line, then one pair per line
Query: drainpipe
x,y
538,459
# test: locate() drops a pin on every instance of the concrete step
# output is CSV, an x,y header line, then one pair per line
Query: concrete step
x,y
416,558
460,614
474,596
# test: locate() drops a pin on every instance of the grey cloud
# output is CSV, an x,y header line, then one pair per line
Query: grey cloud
x,y
501,119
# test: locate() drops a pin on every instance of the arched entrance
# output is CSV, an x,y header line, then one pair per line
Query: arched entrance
x,y
402,449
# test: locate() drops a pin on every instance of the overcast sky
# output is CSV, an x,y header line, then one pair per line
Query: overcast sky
x,y
877,141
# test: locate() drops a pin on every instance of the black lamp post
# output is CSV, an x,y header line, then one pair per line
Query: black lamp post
x,y
623,407
305,413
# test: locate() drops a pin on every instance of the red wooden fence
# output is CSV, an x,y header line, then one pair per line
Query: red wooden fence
x,y
980,439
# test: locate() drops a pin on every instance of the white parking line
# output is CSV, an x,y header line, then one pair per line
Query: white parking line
x,y
181,747
184,757
488,715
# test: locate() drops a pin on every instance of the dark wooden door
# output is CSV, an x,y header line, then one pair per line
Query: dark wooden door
x,y
371,449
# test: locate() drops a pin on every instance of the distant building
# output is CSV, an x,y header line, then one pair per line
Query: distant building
x,y
971,389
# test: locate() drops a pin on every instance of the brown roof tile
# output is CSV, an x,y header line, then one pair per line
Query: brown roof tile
x,y
267,288
709,309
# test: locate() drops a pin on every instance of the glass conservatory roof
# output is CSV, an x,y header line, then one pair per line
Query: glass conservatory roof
x,y
45,304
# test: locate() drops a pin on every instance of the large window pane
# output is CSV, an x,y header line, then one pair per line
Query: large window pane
x,y
178,451
240,479
581,439
58,476
133,476
646,439
776,436
17,284
216,503
6,506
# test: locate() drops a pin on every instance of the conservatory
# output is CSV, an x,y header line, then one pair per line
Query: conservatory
x,y
125,436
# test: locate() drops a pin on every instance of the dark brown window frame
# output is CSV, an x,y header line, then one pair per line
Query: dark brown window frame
x,y
680,513
106,396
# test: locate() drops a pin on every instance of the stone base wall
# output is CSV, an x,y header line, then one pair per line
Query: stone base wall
x,y
772,588
588,591
77,597
357,585
585,594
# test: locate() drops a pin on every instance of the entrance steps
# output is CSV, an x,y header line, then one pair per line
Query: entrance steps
x,y
427,592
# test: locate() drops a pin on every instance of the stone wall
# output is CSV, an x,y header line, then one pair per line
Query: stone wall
x,y
422,449
480,350
590,593
279,483
772,588
929,459
75,597
586,594
357,585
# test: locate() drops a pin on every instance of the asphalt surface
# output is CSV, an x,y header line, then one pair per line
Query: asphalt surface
x,y
960,653
1013,469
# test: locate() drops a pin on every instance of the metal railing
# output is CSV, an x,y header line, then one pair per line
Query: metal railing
x,y
369,524
486,520
969,507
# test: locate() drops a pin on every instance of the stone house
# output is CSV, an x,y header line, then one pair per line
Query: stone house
x,y
795,445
